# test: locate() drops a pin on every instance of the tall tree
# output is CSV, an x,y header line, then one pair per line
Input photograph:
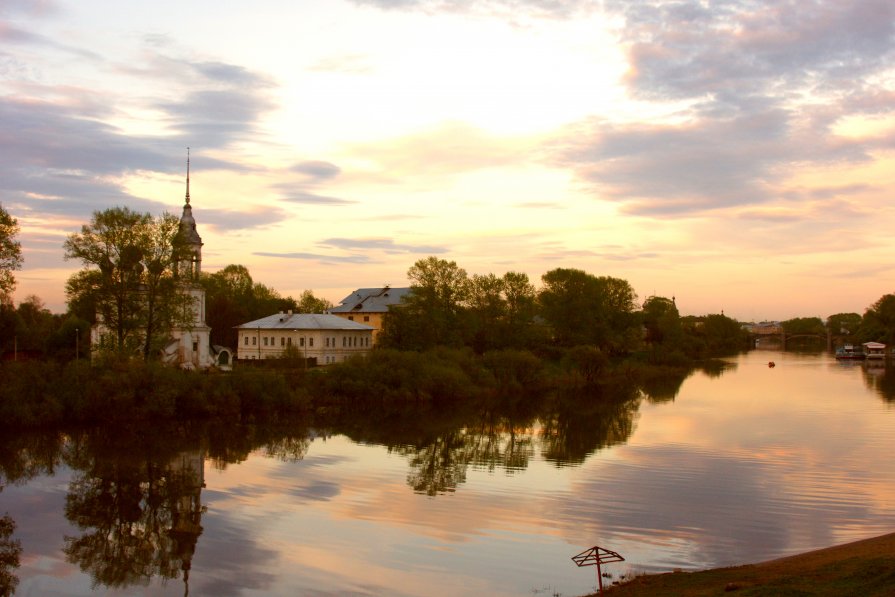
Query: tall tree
x,y
878,323
585,309
10,252
128,276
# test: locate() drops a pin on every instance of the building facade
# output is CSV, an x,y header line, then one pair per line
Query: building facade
x,y
370,306
326,339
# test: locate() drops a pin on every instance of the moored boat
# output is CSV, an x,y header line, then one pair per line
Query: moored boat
x,y
874,350
849,352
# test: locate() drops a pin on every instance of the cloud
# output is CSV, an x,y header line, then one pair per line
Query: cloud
x,y
317,170
386,245
311,198
229,220
503,8
358,259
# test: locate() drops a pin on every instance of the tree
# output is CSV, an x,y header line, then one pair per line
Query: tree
x,y
843,323
129,277
308,303
585,309
878,323
433,313
10,252
662,322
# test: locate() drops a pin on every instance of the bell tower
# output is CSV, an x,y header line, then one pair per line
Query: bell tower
x,y
193,340
190,264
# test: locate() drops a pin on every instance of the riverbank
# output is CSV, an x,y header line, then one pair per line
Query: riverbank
x,y
865,568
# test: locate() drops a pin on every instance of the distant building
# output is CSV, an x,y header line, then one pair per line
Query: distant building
x,y
324,338
369,306
764,328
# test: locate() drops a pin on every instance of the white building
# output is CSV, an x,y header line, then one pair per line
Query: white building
x,y
326,338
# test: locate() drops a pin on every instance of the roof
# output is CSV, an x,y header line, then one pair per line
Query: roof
x,y
304,321
371,300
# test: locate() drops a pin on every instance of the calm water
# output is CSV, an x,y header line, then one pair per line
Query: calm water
x,y
740,465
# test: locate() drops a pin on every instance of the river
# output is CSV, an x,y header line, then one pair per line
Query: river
x,y
737,464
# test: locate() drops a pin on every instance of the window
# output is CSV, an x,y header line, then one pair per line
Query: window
x,y
265,340
254,341
246,341
351,318
366,318
289,341
282,341
344,340
310,342
301,342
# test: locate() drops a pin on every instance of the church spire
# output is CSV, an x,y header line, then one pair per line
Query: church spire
x,y
187,175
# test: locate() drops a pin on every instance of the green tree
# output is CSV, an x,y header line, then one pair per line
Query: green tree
x,y
804,325
843,323
10,252
878,323
128,276
434,312
585,309
662,324
308,303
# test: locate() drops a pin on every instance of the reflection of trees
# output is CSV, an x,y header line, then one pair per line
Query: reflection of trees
x,y
138,503
880,379
10,550
663,388
25,456
583,422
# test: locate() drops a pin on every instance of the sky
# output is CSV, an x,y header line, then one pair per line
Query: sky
x,y
738,155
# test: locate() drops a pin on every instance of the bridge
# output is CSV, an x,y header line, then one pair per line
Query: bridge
x,y
777,332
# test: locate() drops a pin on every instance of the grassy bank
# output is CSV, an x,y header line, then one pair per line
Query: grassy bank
x,y
863,568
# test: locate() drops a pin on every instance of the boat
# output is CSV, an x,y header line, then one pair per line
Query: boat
x,y
874,350
849,352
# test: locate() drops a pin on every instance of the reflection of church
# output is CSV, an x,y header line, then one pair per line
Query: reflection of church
x,y
187,472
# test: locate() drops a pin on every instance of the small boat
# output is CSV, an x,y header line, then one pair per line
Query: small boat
x,y
874,350
849,352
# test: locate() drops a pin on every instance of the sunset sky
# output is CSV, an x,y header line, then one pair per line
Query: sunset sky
x,y
738,155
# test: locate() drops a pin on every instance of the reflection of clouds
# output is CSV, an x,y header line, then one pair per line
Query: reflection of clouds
x,y
231,559
727,507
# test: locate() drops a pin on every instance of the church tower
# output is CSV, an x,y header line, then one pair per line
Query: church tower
x,y
193,341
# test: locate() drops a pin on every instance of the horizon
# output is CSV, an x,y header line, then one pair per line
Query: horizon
x,y
739,158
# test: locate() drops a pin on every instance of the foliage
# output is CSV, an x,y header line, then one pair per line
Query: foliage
x,y
878,323
10,253
586,309
432,315
10,550
308,303
713,335
129,277
804,325
233,298
843,323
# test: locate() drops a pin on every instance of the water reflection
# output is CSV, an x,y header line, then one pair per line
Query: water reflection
x,y
138,505
880,377
135,496
10,550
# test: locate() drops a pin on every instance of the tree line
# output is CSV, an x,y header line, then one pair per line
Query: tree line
x,y
485,312
129,281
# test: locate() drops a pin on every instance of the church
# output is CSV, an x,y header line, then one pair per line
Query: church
x,y
190,346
